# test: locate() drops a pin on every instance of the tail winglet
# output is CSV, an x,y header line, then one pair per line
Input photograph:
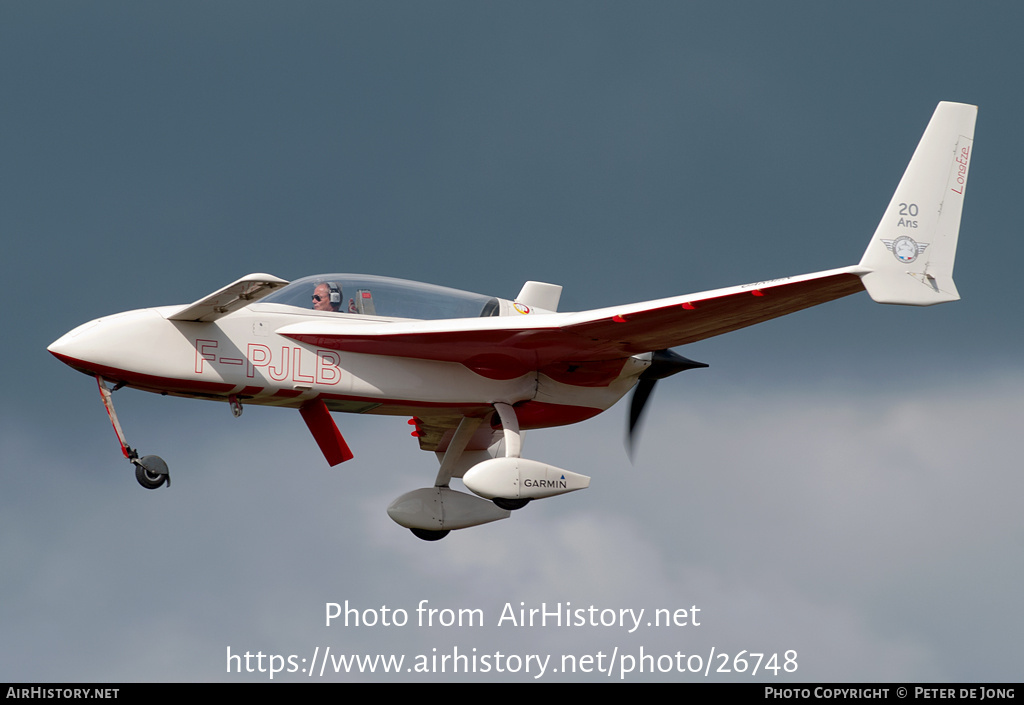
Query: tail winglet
x,y
910,256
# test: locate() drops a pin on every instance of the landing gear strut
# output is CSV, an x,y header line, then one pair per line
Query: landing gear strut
x,y
150,470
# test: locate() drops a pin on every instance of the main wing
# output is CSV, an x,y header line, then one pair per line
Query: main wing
x,y
909,260
505,347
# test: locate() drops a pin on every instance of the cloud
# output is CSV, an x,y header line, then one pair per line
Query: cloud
x,y
848,528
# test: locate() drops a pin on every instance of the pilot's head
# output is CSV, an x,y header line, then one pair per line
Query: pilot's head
x,y
327,297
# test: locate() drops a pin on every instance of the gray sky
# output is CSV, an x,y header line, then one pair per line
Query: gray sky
x,y
842,483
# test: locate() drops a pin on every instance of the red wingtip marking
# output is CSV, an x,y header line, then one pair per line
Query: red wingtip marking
x,y
618,319
688,306
757,292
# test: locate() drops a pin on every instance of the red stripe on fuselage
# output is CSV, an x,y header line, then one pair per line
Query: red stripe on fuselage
x,y
531,414
149,383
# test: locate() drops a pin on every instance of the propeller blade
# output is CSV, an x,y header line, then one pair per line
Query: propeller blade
x,y
664,363
641,394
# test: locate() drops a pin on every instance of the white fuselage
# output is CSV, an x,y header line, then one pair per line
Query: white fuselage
x,y
241,356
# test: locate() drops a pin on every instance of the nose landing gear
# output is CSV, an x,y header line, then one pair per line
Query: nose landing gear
x,y
150,470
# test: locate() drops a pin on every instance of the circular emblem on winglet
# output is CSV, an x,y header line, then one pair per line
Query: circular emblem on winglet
x,y
905,248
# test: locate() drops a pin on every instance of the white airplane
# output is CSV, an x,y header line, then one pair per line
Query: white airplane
x,y
473,372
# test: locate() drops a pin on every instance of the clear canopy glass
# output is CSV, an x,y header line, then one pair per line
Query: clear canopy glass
x,y
383,296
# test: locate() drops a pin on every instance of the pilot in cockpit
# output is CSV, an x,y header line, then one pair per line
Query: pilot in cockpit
x,y
327,297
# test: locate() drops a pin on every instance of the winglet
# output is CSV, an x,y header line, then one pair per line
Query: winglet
x,y
910,256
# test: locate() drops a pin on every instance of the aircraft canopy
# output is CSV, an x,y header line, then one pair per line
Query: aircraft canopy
x,y
384,296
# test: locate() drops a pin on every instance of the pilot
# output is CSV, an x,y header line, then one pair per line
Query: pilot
x,y
327,297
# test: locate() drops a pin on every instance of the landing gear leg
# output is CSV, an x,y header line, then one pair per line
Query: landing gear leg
x,y
513,449
150,470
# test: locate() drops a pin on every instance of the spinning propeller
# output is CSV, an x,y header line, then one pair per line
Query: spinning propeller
x,y
664,363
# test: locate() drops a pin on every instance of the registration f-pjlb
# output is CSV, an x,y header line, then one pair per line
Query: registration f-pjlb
x,y
473,372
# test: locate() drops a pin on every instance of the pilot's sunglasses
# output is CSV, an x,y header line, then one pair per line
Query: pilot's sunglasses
x,y
316,297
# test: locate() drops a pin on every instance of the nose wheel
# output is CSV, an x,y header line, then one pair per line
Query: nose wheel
x,y
151,471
